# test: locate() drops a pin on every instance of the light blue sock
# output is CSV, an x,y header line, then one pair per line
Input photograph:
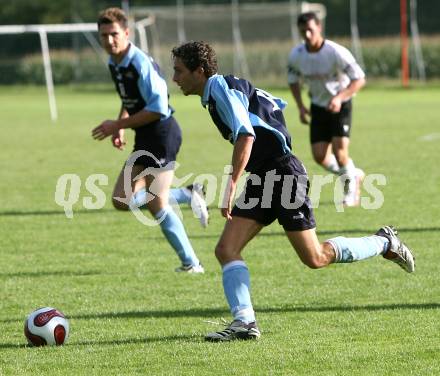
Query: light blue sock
x,y
179,195
236,284
173,229
139,199
355,249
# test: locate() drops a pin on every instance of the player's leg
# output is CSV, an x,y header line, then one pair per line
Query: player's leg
x,y
164,146
192,195
320,139
120,199
351,176
346,250
236,283
341,127
158,184
138,196
340,151
323,155
299,224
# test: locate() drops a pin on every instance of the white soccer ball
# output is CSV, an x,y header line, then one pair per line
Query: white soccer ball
x,y
46,326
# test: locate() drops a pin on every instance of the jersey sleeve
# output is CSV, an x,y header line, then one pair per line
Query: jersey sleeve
x,y
232,106
347,63
153,89
293,73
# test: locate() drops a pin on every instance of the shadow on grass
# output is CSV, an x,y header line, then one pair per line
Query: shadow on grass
x,y
342,232
209,313
20,213
13,345
58,273
277,233
218,312
126,341
129,341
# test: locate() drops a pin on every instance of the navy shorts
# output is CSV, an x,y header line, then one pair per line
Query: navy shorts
x,y
161,139
325,124
286,200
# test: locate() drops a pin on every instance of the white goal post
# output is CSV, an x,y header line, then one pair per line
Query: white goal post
x,y
43,30
86,29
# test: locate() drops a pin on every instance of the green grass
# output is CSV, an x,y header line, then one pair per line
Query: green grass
x,y
131,314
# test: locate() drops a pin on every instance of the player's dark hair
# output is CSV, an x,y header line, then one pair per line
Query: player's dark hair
x,y
303,18
111,15
197,54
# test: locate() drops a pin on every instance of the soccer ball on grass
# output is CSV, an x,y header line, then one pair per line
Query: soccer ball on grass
x,y
46,326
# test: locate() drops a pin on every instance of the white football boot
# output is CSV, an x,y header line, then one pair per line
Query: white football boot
x,y
198,204
195,269
352,189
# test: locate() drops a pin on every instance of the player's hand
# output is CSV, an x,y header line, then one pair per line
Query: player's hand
x,y
304,114
118,140
335,105
105,129
228,198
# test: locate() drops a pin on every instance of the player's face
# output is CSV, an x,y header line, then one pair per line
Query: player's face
x,y
189,82
114,39
311,33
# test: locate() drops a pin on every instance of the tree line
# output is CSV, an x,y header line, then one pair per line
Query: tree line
x,y
375,18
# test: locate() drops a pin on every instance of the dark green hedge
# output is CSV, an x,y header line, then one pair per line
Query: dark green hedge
x,y
267,63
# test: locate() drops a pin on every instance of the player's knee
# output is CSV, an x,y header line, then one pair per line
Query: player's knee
x,y
319,158
220,252
315,262
224,253
118,205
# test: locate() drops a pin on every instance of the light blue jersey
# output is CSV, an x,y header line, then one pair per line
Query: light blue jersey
x,y
139,83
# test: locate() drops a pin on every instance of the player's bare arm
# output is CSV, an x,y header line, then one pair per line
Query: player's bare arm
x,y
118,140
303,111
110,127
343,95
240,157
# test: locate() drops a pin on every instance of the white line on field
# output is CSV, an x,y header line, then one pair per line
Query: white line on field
x,y
430,137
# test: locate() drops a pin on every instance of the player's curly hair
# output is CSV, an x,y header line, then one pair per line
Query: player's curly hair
x,y
111,15
197,54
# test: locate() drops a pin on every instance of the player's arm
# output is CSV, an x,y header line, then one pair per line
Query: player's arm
x,y
293,78
138,119
295,89
118,140
111,127
345,94
240,157
346,63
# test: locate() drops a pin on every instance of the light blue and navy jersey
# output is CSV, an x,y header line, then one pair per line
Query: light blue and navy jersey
x,y
140,84
236,107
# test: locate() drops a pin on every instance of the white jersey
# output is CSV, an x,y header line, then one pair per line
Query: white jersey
x,y
326,72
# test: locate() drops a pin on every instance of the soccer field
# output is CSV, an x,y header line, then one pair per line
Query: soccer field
x,y
114,278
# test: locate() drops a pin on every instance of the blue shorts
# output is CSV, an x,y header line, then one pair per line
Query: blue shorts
x,y
287,201
161,139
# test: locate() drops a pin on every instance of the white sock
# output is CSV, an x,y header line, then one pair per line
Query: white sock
x,y
349,169
332,165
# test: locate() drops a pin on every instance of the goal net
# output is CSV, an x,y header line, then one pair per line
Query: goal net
x,y
251,40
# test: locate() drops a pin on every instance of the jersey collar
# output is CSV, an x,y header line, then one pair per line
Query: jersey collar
x,y
314,52
127,58
207,90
